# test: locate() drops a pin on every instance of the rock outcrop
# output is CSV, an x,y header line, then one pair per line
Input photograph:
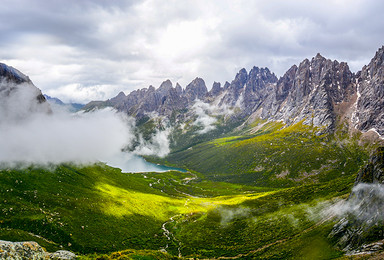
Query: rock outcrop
x,y
30,250
373,172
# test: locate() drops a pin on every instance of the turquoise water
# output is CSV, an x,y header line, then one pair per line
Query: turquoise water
x,y
134,163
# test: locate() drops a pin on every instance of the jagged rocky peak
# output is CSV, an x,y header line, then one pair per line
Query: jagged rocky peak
x,y
118,99
216,89
310,92
370,104
336,76
240,80
317,92
234,90
11,74
376,64
163,92
262,73
258,78
259,85
196,90
226,85
179,89
165,86
121,95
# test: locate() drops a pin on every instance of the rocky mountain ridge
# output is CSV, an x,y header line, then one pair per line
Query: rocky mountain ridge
x,y
319,92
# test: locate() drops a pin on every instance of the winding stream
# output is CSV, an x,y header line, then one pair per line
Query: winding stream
x,y
168,234
131,163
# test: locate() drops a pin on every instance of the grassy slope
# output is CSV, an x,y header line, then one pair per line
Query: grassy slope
x,y
98,208
277,225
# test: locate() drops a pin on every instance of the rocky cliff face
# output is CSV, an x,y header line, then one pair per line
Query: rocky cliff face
x,y
373,172
370,103
310,92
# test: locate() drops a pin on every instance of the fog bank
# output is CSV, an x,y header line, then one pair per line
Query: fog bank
x,y
58,138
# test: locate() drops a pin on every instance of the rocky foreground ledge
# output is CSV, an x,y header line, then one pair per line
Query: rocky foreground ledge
x,y
30,250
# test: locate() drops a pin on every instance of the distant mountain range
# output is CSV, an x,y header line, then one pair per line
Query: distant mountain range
x,y
71,107
319,92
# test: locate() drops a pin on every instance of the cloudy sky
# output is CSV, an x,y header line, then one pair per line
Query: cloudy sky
x,y
88,50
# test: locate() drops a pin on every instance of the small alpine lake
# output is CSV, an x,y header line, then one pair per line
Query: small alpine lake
x,y
134,163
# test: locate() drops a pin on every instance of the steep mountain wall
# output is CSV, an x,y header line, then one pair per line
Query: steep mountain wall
x,y
319,92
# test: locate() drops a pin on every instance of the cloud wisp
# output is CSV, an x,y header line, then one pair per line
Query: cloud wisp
x,y
204,120
364,204
207,115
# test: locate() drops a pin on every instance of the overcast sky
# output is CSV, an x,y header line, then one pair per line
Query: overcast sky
x,y
90,50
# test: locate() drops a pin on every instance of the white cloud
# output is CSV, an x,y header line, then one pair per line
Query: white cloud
x,y
158,145
83,93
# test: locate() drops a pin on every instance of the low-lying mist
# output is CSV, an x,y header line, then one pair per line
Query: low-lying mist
x,y
57,138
